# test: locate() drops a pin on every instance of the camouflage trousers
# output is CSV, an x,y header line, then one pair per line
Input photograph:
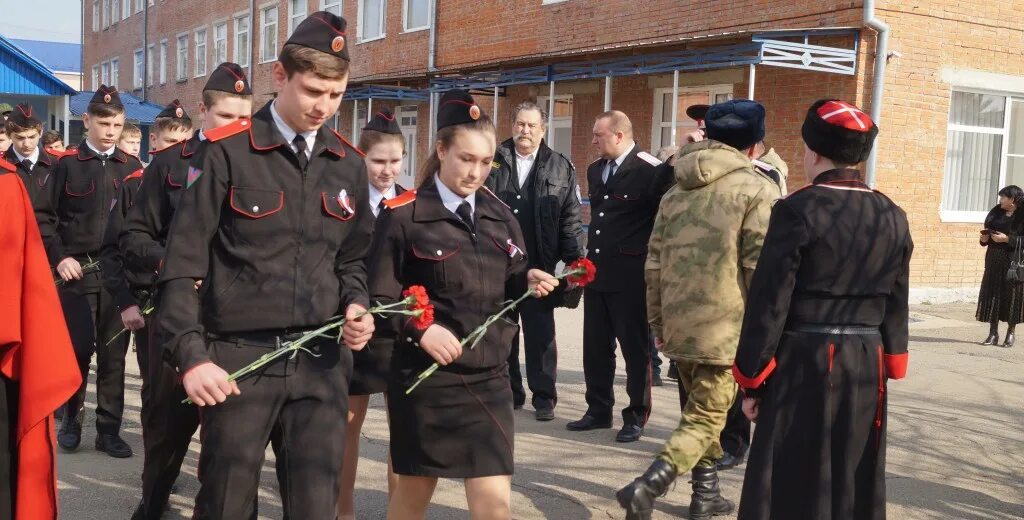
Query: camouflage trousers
x,y
695,442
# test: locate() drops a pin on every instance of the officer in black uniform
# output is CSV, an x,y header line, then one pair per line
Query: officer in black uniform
x,y
626,186
35,166
273,223
168,424
83,193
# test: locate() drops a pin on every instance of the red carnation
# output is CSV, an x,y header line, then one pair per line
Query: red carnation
x,y
426,317
584,272
419,294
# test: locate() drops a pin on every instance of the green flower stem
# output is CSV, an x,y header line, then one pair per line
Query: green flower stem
x,y
91,266
145,312
478,333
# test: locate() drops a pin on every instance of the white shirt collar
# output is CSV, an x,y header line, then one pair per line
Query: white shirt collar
x,y
289,134
109,152
34,157
202,136
618,162
531,156
376,196
450,199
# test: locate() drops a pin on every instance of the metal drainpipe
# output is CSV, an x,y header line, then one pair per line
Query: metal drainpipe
x,y
431,68
145,48
252,48
878,86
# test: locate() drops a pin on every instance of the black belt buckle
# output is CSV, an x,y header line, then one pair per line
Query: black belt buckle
x,y
834,330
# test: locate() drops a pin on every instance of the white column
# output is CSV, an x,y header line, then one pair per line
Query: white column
x,y
494,116
551,114
355,118
607,93
750,82
67,119
675,105
369,109
431,121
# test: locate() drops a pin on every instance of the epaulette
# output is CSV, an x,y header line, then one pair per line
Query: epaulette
x,y
648,158
137,174
228,130
401,200
761,165
487,190
4,165
350,145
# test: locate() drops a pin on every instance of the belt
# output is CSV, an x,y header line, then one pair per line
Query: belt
x,y
833,330
262,338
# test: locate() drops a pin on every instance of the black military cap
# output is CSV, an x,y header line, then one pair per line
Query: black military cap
x,y
738,123
384,122
173,109
840,131
106,96
324,32
23,117
457,107
228,77
698,113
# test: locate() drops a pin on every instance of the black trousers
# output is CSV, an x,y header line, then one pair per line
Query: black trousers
x,y
655,358
538,331
608,316
8,447
301,404
735,437
93,319
167,425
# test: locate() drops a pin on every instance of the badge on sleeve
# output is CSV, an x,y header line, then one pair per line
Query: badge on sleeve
x,y
193,176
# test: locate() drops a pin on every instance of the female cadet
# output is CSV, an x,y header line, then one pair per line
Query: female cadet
x,y
382,141
462,245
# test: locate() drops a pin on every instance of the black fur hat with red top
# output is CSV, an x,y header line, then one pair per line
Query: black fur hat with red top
x,y
840,131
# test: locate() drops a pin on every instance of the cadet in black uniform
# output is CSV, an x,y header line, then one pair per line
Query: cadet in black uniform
x,y
384,145
167,423
84,191
825,327
274,224
462,245
35,166
626,186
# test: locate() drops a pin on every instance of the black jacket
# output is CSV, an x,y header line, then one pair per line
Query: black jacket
x,y
276,247
37,183
556,202
622,217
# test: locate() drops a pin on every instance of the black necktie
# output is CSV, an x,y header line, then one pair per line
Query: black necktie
x,y
465,212
381,205
611,170
300,151
102,157
27,163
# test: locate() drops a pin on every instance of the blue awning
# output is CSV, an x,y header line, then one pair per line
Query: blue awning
x,y
20,73
135,109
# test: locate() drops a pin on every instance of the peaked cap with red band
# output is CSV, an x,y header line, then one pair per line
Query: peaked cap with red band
x,y
457,107
324,32
23,117
840,131
107,96
384,122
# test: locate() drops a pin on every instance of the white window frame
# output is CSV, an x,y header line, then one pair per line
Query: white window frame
x,y
659,98
218,58
95,77
95,15
197,44
550,2
138,71
138,6
295,18
105,73
181,65
150,64
265,24
557,122
115,12
126,9
405,16
383,20
243,51
327,5
105,14
115,73
163,61
978,217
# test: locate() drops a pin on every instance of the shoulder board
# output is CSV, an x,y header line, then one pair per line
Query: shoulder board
x,y
228,130
401,200
648,158
763,166
350,145
6,166
137,174
487,190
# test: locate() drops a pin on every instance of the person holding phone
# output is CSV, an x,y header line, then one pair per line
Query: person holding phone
x,y
999,298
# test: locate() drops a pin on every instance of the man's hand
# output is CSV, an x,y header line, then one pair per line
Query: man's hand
x,y
207,384
751,406
357,329
695,137
441,344
541,283
659,344
132,318
69,269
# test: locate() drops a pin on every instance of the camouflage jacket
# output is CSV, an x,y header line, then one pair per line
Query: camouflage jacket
x,y
703,251
771,160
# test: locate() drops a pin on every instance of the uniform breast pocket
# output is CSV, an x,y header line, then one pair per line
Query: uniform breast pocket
x,y
434,265
627,197
256,212
80,193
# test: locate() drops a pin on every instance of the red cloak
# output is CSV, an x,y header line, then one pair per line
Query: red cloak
x,y
35,350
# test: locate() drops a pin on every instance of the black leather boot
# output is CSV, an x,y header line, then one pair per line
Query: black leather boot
x,y
993,335
638,497
70,434
707,499
1009,339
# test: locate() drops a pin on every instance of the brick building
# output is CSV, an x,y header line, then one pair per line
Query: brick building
x,y
953,106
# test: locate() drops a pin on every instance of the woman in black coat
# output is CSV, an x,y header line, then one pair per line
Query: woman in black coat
x,y
1000,299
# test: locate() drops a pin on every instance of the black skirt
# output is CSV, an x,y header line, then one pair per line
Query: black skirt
x,y
453,425
999,299
370,368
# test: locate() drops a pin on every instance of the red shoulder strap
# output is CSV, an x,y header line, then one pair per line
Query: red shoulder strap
x,y
137,174
350,145
216,134
401,200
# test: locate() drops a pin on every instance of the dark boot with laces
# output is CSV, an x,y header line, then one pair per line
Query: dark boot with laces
x,y
638,497
707,500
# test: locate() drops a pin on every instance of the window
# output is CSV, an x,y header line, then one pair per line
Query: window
x,y
138,6
114,73
182,57
661,134
268,35
126,9
200,52
408,115
95,15
984,152
115,12
105,73
371,19
95,77
296,14
559,133
105,14
331,6
139,69
417,15
220,43
361,118
163,61
150,63
242,40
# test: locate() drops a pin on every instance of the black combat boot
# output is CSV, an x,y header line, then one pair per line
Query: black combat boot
x,y
70,434
707,500
1009,338
993,335
638,498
